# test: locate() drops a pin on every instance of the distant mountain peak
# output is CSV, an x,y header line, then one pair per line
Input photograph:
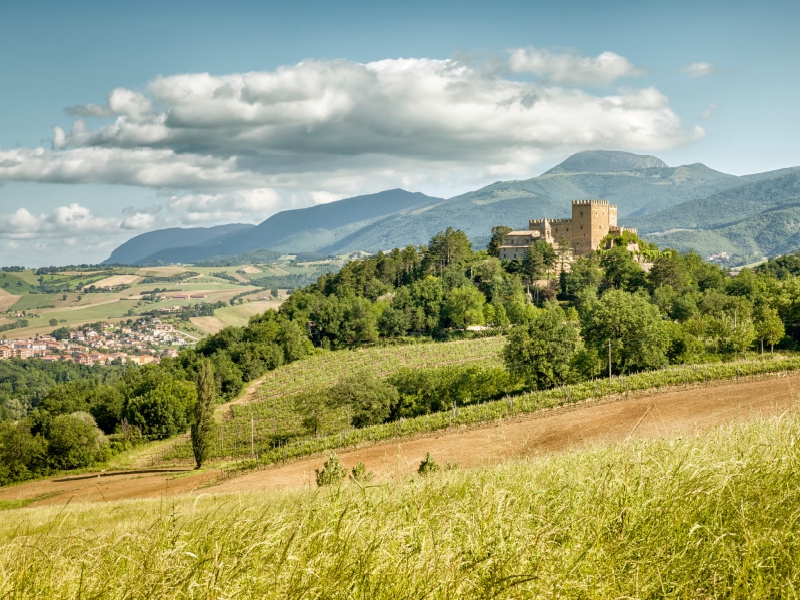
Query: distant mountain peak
x,y
606,161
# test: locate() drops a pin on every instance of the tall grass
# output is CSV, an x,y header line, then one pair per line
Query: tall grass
x,y
717,515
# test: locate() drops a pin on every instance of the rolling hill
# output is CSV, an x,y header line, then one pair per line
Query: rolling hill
x,y
304,229
139,247
727,207
773,232
662,201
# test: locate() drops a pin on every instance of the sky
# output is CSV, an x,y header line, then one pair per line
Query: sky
x,y
121,118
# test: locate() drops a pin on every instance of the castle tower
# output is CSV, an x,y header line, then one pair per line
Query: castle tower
x,y
591,220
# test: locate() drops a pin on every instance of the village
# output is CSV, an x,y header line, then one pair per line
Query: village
x,y
144,341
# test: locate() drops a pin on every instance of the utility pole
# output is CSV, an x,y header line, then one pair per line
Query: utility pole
x,y
609,361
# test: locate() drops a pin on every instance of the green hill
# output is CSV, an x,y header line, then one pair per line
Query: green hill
x,y
773,232
723,208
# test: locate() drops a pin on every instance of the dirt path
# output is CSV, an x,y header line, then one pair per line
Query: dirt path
x,y
652,415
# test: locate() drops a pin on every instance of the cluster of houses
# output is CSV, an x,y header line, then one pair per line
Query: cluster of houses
x,y
142,343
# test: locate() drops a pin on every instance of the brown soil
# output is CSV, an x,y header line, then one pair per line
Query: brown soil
x,y
208,324
7,300
647,415
122,485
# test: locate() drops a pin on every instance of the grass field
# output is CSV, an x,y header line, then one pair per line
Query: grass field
x,y
21,291
706,516
116,280
237,315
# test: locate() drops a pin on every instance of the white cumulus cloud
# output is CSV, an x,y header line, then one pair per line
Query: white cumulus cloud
x,y
571,68
699,69
64,222
231,206
333,126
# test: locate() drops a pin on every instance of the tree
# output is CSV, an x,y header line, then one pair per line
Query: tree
x,y
540,353
163,409
621,271
22,454
394,322
74,441
634,328
449,247
498,239
53,322
769,327
668,269
539,258
464,306
203,426
368,399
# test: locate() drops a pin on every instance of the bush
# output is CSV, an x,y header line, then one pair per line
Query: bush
x,y
541,352
359,474
332,472
164,410
428,465
22,454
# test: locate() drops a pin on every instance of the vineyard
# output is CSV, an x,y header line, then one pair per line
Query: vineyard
x,y
249,438
271,416
328,368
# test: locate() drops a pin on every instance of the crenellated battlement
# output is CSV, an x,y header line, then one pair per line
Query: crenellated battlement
x,y
550,221
590,202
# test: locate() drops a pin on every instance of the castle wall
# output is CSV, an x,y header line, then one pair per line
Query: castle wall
x,y
591,221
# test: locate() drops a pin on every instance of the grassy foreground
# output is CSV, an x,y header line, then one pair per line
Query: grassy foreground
x,y
715,515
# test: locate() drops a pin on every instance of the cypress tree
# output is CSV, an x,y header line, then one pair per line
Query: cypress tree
x,y
203,425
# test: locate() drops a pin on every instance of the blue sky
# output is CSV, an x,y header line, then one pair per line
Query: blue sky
x,y
181,156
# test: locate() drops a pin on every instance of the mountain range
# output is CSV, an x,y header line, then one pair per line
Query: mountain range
x,y
690,206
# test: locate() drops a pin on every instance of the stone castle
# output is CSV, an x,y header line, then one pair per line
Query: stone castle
x,y
591,221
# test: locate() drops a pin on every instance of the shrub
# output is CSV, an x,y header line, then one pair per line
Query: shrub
x,y
332,472
540,352
164,410
428,465
369,398
359,474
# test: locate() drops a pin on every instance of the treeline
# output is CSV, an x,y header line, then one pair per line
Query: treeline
x,y
186,312
290,282
169,278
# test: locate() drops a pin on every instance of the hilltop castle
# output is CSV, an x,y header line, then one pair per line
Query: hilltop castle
x,y
591,221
